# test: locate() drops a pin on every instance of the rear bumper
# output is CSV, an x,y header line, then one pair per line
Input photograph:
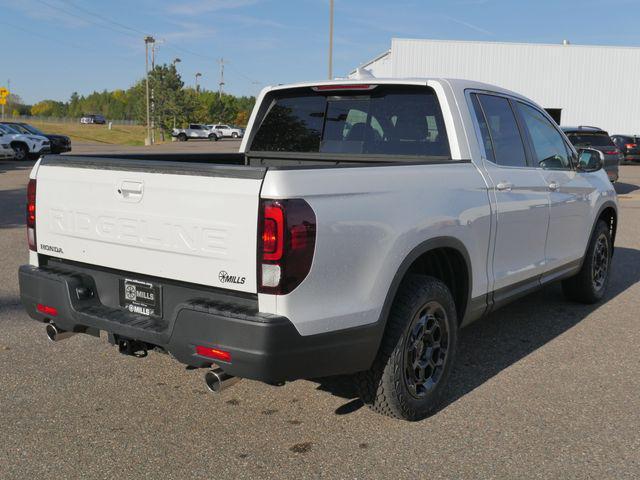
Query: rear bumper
x,y
262,346
7,153
43,151
56,149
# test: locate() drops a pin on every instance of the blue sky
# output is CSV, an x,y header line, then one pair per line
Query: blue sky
x,y
51,48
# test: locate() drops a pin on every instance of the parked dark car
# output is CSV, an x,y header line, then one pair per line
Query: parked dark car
x,y
97,119
59,143
594,137
629,145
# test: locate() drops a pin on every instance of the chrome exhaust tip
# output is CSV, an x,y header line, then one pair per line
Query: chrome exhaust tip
x,y
217,380
56,334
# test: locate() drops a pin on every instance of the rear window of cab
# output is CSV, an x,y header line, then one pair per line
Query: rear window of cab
x,y
381,120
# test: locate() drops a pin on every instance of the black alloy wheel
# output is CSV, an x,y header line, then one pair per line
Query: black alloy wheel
x,y
426,349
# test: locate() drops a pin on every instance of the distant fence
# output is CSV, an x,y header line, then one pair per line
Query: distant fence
x,y
31,118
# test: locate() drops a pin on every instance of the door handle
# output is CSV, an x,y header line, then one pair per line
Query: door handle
x,y
131,191
504,186
554,186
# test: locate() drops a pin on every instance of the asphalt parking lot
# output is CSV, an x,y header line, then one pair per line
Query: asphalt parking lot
x,y
542,389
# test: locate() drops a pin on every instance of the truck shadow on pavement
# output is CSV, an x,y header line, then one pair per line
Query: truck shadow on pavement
x,y
625,188
12,208
9,165
491,345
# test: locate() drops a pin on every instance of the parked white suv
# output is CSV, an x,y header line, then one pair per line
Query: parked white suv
x,y
228,131
360,226
24,146
195,131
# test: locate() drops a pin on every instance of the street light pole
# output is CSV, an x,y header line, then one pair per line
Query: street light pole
x,y
147,40
330,39
198,75
221,83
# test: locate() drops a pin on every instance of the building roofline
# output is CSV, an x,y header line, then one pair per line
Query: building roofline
x,y
367,63
533,44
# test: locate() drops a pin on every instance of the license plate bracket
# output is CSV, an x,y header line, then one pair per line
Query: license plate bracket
x,y
144,298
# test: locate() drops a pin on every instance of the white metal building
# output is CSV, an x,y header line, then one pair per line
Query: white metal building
x,y
580,84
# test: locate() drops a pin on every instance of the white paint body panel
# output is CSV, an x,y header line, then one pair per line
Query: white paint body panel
x,y
182,227
368,220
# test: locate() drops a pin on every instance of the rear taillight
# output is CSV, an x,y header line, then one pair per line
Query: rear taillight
x,y
47,310
286,243
31,214
615,151
631,145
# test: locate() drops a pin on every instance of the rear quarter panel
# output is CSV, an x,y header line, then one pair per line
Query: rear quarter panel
x,y
368,220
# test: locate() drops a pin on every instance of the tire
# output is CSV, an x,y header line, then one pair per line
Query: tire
x,y
590,283
422,323
213,137
22,152
234,135
182,137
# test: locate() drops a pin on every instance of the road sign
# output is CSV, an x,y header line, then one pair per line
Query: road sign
x,y
3,101
4,93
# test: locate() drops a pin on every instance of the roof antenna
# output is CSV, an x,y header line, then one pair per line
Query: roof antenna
x,y
363,74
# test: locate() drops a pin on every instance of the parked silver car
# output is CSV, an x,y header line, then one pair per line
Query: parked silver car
x,y
195,131
227,131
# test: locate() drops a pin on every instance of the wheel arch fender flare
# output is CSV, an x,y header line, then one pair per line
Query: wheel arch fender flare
x,y
405,265
605,205
19,142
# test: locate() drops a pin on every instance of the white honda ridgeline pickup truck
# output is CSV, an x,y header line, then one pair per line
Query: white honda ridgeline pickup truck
x,y
361,225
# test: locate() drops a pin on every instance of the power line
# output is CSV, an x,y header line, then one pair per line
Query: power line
x,y
124,29
44,37
84,19
105,19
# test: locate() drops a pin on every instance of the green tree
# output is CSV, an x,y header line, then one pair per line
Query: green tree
x,y
49,108
173,104
168,101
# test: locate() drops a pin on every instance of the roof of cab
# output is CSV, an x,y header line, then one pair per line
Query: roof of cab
x,y
454,83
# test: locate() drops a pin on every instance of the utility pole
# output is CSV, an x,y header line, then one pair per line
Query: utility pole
x,y
198,75
148,40
330,39
174,63
153,97
221,83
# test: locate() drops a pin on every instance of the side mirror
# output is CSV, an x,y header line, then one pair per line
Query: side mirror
x,y
590,160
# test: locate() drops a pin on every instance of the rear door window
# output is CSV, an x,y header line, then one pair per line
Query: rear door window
x,y
389,120
506,142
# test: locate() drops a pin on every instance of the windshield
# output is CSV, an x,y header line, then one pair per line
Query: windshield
x,y
387,120
582,139
8,129
32,129
20,128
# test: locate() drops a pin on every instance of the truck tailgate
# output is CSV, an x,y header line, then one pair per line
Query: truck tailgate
x,y
188,222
